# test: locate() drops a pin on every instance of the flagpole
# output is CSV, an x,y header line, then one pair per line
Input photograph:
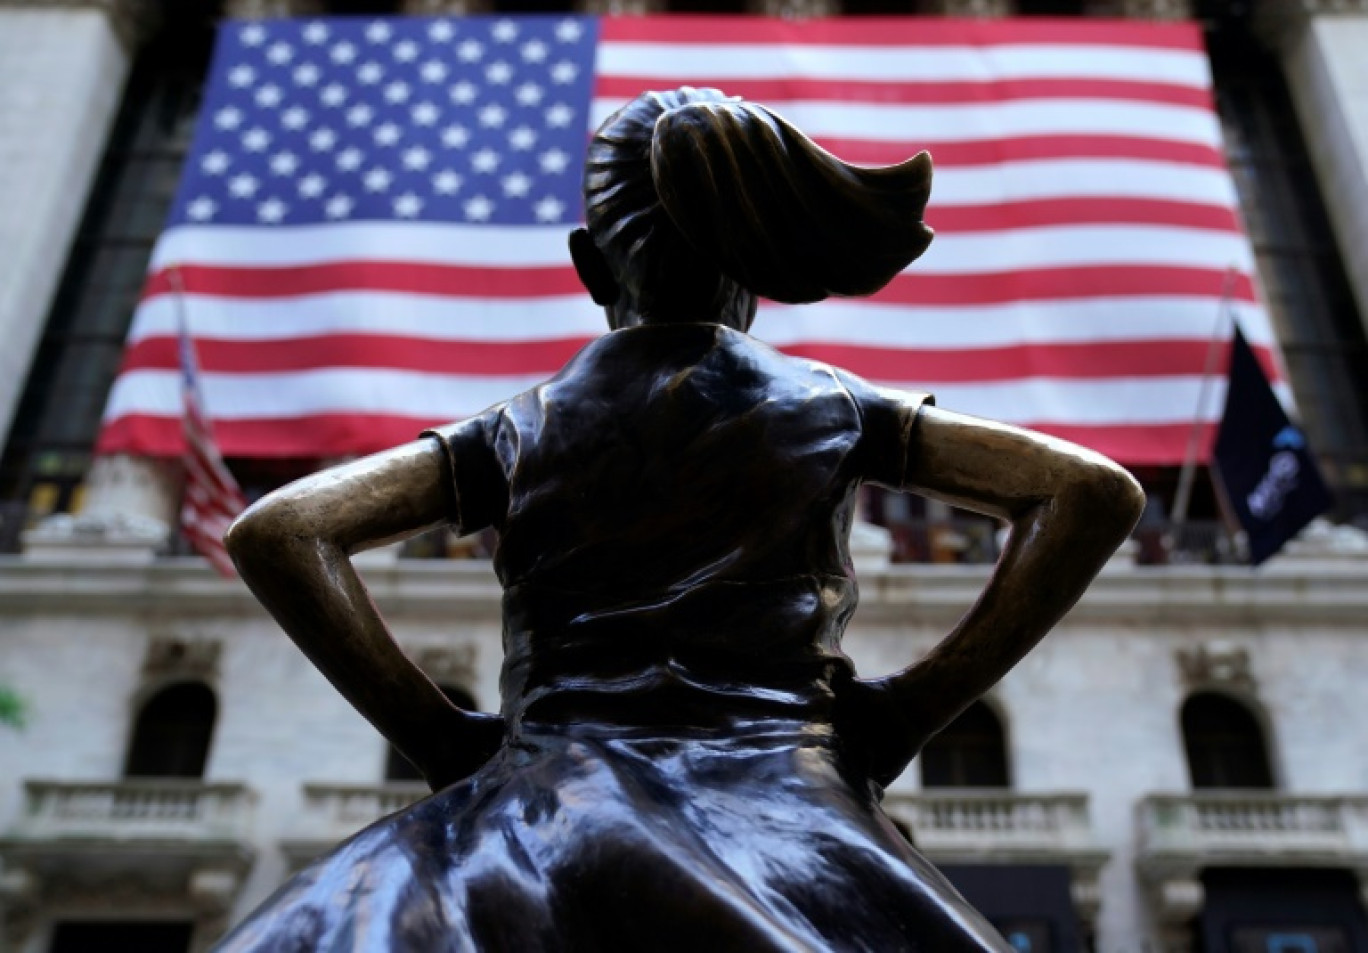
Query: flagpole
x,y
1183,498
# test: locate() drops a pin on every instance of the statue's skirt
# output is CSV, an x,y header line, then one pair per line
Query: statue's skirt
x,y
594,838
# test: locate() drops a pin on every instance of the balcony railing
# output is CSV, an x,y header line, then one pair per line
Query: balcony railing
x,y
1248,826
169,809
141,809
994,822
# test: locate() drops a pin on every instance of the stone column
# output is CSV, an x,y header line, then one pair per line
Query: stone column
x,y
1321,44
129,509
970,8
62,71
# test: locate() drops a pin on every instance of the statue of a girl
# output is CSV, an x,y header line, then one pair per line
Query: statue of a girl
x,y
684,759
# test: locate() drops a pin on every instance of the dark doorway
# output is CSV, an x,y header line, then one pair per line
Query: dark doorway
x,y
172,733
1032,906
1289,910
1225,745
970,753
121,936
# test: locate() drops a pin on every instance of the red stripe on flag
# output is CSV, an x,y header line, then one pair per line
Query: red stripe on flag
x,y
908,288
778,91
687,29
363,350
1082,211
1064,360
410,277
955,153
1052,284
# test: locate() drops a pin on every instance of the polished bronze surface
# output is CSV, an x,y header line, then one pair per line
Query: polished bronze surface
x,y
684,758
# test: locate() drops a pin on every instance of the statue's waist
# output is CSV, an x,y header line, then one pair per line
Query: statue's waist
x,y
672,693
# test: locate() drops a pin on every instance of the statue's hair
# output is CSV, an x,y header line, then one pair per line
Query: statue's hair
x,y
685,185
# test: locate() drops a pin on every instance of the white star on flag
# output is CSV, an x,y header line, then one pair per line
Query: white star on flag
x,y
312,186
271,210
202,209
485,161
242,186
339,206
216,162
446,182
377,179
479,208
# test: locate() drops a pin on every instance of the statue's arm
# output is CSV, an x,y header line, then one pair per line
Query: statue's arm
x,y
292,549
1068,510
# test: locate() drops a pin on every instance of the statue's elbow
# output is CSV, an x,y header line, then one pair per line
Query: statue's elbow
x,y
259,531
1113,499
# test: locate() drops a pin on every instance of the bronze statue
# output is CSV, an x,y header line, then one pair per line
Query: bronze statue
x,y
684,760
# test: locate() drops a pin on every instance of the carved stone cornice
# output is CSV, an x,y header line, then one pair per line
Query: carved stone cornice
x,y
1314,7
1215,665
439,7
794,9
620,6
267,9
1156,9
970,8
170,657
133,20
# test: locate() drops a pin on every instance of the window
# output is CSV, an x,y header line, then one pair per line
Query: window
x,y
1225,745
970,753
399,768
172,733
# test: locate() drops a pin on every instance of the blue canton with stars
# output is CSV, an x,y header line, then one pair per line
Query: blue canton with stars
x,y
480,120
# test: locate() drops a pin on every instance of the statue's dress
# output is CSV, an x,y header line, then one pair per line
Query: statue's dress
x,y
672,510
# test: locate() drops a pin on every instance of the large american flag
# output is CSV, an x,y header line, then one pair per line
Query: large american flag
x,y
371,224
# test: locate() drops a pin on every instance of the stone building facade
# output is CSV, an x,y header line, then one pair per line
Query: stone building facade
x,y
1180,766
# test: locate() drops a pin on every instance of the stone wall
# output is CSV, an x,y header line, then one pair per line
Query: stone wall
x,y
1095,709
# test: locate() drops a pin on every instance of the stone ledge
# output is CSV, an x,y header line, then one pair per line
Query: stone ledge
x,y
1333,593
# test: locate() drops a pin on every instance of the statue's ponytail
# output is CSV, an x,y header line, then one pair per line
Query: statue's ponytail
x,y
781,216
687,188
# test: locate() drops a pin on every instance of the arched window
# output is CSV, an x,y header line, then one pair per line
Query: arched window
x,y
399,768
970,753
1225,745
172,733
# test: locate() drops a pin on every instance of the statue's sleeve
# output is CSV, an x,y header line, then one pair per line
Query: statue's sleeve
x,y
888,418
476,480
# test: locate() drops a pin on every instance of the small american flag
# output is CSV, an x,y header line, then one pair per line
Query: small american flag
x,y
212,498
372,222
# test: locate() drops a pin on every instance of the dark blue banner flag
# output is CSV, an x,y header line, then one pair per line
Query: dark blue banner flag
x,y
1261,458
